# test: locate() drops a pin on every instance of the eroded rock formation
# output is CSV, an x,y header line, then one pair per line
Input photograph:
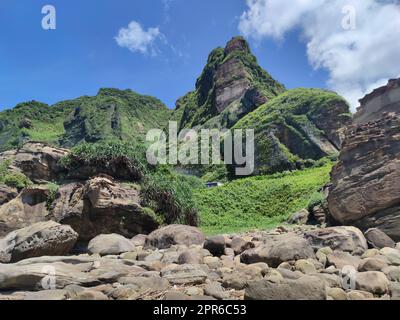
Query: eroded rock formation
x,y
365,183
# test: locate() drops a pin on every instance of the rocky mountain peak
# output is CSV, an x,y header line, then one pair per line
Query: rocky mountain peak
x,y
237,43
231,85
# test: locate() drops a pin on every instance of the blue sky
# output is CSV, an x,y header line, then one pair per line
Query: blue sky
x,y
82,55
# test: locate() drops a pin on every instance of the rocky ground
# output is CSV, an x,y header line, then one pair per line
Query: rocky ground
x,y
178,263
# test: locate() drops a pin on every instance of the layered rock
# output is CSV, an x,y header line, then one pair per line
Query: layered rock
x,y
38,161
29,207
365,183
102,206
383,99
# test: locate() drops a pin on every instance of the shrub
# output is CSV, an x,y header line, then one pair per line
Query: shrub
x,y
112,157
170,196
13,179
52,189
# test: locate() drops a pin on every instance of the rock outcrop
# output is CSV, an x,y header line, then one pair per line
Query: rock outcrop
x,y
38,161
365,183
27,208
102,206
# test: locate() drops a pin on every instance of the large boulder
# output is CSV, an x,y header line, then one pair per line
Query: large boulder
x,y
348,239
110,244
372,281
366,181
278,249
304,288
165,237
102,206
41,239
29,207
378,239
38,161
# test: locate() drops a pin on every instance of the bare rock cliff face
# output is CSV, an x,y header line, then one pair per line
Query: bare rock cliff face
x,y
366,181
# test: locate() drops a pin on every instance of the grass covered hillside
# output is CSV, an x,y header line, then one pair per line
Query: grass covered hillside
x,y
296,128
110,115
258,202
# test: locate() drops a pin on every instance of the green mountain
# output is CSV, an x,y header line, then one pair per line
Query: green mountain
x,y
296,128
231,85
110,115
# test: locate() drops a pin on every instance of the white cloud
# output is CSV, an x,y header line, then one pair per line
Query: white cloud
x,y
358,60
136,39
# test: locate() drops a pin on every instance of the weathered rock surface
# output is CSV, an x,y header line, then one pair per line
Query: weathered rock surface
x,y
348,239
102,206
373,282
190,272
279,249
216,245
110,244
175,234
7,194
41,239
38,161
27,208
304,288
377,239
300,217
365,182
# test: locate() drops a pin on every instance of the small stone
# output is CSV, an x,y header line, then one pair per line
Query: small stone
x,y
216,245
359,295
129,255
337,294
139,240
273,276
392,273
212,262
393,255
370,253
240,245
305,266
214,289
372,264
372,281
194,291
190,257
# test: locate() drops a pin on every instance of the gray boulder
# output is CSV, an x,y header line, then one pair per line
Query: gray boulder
x,y
41,239
165,237
110,244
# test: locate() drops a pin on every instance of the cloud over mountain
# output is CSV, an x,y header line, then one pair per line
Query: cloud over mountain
x,y
137,39
356,41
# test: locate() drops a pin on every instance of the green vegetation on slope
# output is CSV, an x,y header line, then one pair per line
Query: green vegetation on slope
x,y
296,128
258,202
13,179
110,115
